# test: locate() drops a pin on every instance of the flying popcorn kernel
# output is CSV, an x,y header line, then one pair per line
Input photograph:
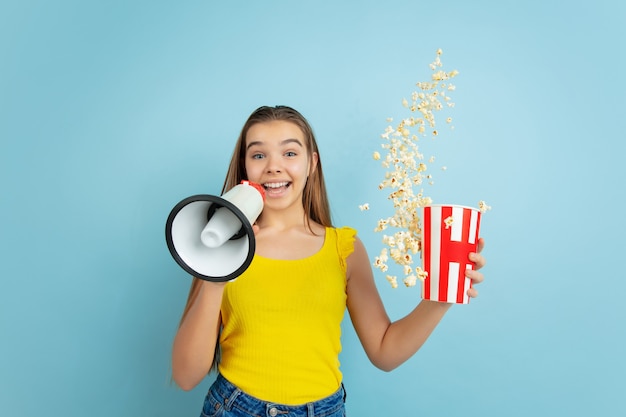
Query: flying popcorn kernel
x,y
483,207
393,281
421,274
410,281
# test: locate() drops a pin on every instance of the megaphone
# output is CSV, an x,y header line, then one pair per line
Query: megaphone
x,y
211,237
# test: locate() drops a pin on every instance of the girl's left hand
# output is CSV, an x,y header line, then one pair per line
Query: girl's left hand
x,y
473,274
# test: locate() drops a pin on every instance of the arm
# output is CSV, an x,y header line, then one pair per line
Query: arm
x,y
195,341
389,344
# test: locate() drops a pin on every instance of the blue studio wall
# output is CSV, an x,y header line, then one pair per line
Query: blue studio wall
x,y
113,111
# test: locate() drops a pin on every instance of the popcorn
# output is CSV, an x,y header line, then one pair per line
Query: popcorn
x,y
448,221
410,280
393,281
483,207
406,168
364,207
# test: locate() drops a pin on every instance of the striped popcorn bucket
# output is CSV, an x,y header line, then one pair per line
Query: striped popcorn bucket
x,y
449,234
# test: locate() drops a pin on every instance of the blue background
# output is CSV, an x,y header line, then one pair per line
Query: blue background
x,y
113,111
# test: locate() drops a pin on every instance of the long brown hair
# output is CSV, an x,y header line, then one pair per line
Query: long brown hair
x,y
314,196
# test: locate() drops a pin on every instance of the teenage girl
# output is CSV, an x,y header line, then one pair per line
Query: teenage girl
x,y
273,334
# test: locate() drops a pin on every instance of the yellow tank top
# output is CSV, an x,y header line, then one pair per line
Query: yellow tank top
x,y
281,322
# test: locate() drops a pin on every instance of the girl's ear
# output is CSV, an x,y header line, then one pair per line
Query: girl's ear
x,y
314,160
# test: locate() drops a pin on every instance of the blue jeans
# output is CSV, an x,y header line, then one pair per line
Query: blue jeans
x,y
226,400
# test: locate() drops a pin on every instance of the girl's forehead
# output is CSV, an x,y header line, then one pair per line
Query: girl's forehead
x,y
275,131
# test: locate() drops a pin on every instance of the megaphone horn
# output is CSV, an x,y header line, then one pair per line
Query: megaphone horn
x,y
211,237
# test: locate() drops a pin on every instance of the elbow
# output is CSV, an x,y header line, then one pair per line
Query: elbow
x,y
188,372
186,384
186,379
384,363
385,367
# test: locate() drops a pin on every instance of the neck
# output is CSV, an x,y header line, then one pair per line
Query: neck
x,y
282,219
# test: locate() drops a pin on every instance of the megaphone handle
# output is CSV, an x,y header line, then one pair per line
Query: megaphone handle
x,y
212,208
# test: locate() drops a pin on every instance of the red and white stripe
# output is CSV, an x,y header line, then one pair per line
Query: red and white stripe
x,y
445,251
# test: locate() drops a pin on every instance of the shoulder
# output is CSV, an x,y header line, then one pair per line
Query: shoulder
x,y
345,232
351,248
359,272
345,240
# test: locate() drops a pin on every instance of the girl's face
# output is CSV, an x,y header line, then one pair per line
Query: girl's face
x,y
277,158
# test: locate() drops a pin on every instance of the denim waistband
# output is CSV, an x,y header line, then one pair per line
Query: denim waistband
x,y
230,397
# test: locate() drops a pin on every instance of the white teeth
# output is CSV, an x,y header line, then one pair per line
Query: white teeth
x,y
275,184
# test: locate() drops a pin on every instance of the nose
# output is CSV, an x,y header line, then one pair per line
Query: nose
x,y
273,165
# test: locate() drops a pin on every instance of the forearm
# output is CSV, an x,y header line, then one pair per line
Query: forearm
x,y
403,338
195,341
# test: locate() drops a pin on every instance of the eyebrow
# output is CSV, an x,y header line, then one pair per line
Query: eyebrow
x,y
284,142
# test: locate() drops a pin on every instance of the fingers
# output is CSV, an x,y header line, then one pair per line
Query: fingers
x,y
478,259
481,244
472,293
473,274
476,278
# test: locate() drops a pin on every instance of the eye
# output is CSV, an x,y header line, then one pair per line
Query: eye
x,y
290,154
257,156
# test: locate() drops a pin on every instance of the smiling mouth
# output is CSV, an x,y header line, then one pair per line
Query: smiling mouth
x,y
276,189
276,185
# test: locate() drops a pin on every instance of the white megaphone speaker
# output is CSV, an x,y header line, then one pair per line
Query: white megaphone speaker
x,y
211,237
